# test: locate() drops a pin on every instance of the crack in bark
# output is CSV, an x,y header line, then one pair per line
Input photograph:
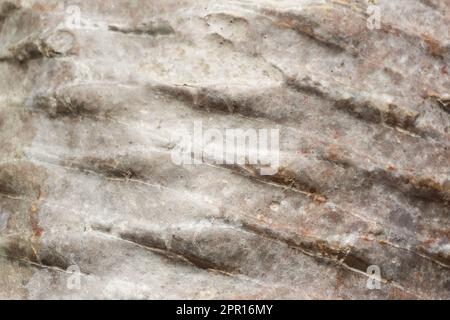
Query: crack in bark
x,y
152,28
158,246
42,265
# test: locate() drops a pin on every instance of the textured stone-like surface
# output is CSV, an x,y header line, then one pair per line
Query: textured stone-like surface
x,y
86,121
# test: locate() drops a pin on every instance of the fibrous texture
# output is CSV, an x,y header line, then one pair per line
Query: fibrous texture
x,y
91,93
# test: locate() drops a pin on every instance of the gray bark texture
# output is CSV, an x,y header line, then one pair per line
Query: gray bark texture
x,y
93,206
